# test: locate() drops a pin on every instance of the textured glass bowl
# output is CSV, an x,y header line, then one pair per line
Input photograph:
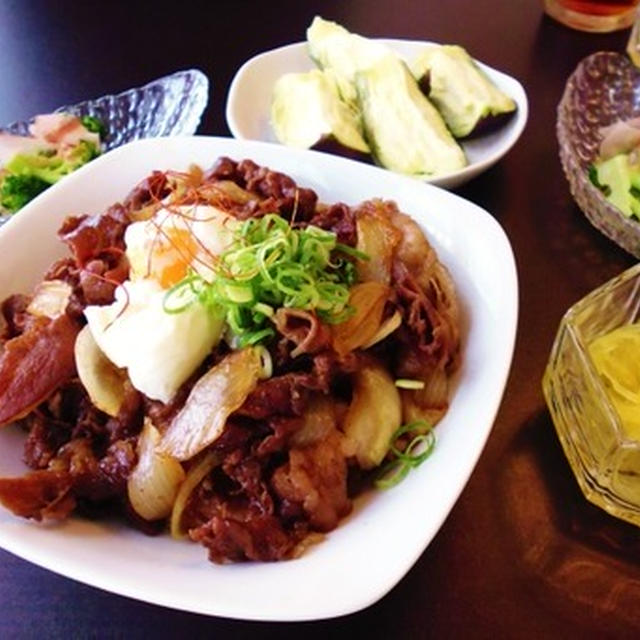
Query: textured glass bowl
x,y
169,106
604,88
604,459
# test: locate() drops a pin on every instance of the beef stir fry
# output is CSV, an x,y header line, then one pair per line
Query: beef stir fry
x,y
224,355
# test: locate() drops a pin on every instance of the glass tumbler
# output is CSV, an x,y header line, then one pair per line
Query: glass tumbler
x,y
593,15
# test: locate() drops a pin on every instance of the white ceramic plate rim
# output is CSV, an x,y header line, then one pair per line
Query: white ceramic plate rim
x,y
373,548
249,97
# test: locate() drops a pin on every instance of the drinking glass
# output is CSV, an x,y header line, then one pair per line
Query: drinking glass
x,y
593,15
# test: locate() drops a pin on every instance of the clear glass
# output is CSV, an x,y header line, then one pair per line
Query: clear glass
x,y
604,459
593,15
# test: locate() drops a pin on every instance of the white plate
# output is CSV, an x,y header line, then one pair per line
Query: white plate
x,y
372,549
249,101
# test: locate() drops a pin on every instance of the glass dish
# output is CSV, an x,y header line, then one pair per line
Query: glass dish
x,y
604,460
169,106
604,88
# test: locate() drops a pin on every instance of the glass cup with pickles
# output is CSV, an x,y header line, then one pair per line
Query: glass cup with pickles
x,y
592,387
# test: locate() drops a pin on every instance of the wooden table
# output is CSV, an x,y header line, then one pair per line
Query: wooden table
x,y
522,554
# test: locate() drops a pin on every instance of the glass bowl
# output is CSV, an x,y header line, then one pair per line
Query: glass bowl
x,y
169,106
604,459
604,88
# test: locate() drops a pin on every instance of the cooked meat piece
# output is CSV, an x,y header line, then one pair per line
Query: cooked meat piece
x,y
233,514
34,364
259,538
431,331
97,479
43,441
282,429
15,316
277,192
38,495
338,218
304,329
315,477
151,189
282,395
90,236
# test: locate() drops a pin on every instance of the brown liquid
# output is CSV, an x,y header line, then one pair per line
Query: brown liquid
x,y
598,7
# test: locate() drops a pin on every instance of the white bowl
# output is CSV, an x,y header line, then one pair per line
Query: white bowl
x,y
249,102
374,547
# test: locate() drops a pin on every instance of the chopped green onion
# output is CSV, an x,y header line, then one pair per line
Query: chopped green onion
x,y
264,309
254,337
392,474
414,454
407,383
180,296
271,265
266,363
350,251
238,293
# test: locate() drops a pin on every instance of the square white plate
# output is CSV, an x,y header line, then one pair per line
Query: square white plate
x,y
249,105
372,549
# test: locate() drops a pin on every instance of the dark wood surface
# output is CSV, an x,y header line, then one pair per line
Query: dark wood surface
x,y
522,554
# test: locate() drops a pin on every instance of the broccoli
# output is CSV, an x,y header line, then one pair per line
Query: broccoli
x,y
93,124
17,190
78,155
51,167
28,174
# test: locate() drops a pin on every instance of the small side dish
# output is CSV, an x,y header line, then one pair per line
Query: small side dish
x,y
52,146
226,355
251,96
365,100
601,92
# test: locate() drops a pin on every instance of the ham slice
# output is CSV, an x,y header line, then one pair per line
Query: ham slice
x,y
52,131
61,129
619,137
10,145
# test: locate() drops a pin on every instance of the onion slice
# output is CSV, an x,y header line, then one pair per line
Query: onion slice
x,y
430,402
216,395
378,239
194,477
102,380
368,299
385,330
153,484
374,414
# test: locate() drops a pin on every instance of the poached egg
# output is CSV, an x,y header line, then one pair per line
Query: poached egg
x,y
161,350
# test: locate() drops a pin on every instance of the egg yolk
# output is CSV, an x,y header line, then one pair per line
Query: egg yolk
x,y
170,259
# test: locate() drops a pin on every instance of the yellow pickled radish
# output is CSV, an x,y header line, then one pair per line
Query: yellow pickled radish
x,y
616,357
